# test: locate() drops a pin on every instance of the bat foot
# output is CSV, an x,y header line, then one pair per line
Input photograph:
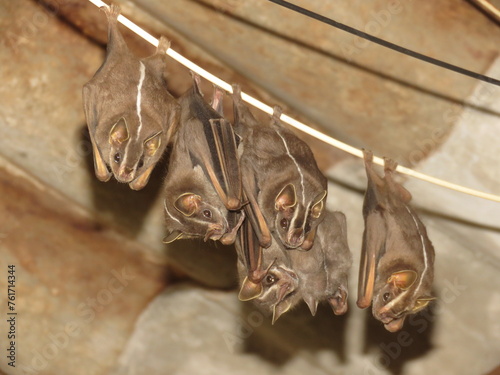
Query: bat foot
x,y
368,156
163,45
112,12
389,165
236,93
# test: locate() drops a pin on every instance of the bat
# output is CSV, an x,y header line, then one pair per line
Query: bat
x,y
282,182
324,269
274,290
290,276
203,191
397,257
130,114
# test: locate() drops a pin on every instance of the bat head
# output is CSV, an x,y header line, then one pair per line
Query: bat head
x,y
132,157
280,287
295,222
397,298
193,209
192,216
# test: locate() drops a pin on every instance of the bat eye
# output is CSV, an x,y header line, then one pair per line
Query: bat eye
x,y
386,297
270,279
284,223
141,163
117,158
207,214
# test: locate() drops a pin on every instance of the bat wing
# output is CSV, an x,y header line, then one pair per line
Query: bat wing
x,y
223,167
251,253
89,106
252,209
373,242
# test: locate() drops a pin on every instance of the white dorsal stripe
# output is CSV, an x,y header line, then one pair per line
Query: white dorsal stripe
x,y
424,251
297,165
142,74
142,70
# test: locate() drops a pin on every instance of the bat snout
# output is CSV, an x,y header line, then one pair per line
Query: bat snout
x,y
295,238
125,174
215,232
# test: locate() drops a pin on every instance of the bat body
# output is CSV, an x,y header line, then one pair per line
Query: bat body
x,y
290,276
323,271
203,193
281,179
131,116
397,259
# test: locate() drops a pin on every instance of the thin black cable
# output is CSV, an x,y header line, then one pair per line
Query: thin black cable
x,y
385,43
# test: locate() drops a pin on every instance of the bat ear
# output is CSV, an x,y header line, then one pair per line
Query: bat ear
x,y
187,203
279,309
403,279
421,304
175,235
286,198
312,303
249,290
152,144
317,208
118,133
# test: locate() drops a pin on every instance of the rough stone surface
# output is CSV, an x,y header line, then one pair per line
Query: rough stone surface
x,y
67,233
79,286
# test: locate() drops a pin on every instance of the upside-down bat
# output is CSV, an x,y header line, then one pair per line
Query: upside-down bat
x,y
203,193
131,116
282,182
286,276
397,258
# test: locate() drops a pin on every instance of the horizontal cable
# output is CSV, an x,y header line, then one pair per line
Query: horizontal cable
x,y
289,120
385,43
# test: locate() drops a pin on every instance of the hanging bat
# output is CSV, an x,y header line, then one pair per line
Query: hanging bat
x,y
130,114
273,289
397,258
292,275
323,271
282,181
203,193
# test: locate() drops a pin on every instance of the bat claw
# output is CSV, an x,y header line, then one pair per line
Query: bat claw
x,y
163,45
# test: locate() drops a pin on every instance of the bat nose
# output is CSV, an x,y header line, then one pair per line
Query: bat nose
x,y
128,170
296,237
125,174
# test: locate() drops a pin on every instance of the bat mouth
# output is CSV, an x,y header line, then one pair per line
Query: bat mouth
x,y
125,175
389,317
215,233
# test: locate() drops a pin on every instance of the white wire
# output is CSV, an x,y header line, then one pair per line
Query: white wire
x,y
289,120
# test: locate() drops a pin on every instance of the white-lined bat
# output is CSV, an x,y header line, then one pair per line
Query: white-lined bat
x,y
323,271
130,115
397,259
282,182
287,276
203,193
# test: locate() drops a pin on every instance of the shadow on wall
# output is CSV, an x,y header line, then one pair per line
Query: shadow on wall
x,y
296,331
128,208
